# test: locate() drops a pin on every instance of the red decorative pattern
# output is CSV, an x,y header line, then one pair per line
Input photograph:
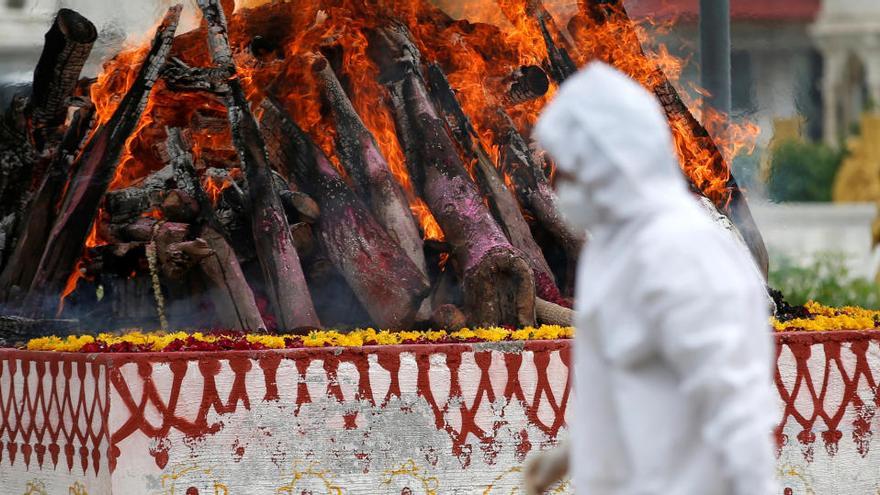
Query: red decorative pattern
x,y
55,404
827,385
153,410
57,407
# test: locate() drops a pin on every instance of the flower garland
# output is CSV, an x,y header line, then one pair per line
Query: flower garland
x,y
821,318
137,341
825,319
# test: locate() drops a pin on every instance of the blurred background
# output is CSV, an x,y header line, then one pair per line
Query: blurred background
x,y
807,72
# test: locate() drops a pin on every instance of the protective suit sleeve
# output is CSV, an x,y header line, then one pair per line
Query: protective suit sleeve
x,y
721,350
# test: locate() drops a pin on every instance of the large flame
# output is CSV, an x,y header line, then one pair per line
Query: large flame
x,y
275,42
619,42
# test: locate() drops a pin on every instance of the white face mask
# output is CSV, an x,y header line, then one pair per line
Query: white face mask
x,y
573,204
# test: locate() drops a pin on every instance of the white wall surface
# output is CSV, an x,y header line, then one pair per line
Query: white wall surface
x,y
800,231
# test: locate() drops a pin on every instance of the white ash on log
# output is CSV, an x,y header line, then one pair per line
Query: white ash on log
x,y
95,169
233,298
498,284
372,177
504,206
282,271
381,274
68,44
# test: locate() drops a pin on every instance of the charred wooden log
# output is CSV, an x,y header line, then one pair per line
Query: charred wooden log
x,y
179,206
126,204
372,177
181,77
40,213
612,13
233,298
17,159
386,281
68,44
16,331
497,281
282,271
559,64
96,168
527,82
536,194
302,205
501,201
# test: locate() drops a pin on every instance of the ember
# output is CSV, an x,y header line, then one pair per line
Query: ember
x,y
349,162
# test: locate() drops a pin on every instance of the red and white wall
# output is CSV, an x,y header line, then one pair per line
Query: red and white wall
x,y
456,418
433,419
828,396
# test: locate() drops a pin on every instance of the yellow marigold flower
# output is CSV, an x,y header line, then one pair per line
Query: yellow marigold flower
x,y
435,335
387,338
492,334
817,309
464,333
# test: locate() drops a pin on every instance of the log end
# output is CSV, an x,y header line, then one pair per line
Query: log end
x,y
76,27
448,317
499,290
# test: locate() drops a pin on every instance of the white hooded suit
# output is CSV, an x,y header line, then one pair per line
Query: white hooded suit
x,y
673,353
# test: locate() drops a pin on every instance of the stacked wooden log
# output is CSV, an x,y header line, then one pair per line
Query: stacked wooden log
x,y
273,227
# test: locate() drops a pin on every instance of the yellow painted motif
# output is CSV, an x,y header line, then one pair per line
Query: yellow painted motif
x,y
503,485
35,487
183,477
309,479
410,480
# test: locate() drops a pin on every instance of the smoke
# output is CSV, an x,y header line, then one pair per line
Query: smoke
x,y
120,24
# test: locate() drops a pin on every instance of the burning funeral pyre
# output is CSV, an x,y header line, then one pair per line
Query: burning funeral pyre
x,y
326,163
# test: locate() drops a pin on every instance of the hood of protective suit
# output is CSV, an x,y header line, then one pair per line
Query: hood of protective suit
x,y
611,135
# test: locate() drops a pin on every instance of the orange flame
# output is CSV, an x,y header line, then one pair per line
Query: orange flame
x,y
472,55
214,187
619,41
72,281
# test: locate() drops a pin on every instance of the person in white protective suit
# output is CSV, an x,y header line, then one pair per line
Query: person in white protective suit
x,y
673,353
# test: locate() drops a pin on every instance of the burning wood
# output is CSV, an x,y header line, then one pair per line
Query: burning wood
x,y
528,82
324,205
706,166
386,281
497,282
40,212
536,194
94,170
532,16
502,203
68,44
371,175
282,271
232,296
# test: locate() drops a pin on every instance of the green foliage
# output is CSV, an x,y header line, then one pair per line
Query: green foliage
x,y
827,281
802,172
